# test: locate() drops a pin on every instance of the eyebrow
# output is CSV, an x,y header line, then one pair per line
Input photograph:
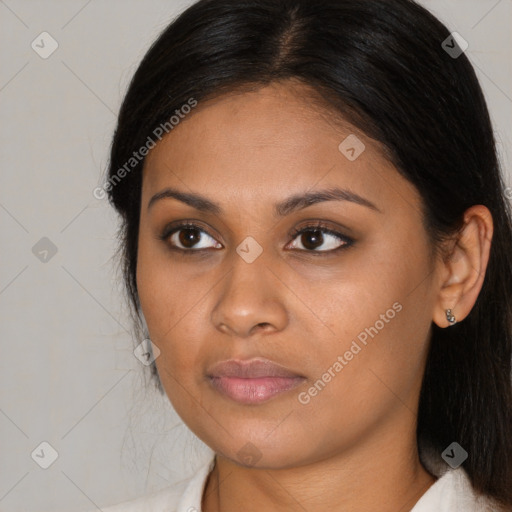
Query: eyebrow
x,y
286,207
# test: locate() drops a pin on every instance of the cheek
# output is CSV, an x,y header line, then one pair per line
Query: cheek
x,y
165,294
174,309
374,368
378,317
373,363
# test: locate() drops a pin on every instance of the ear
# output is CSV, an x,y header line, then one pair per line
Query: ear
x,y
463,270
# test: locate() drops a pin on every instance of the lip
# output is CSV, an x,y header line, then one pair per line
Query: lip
x,y
252,382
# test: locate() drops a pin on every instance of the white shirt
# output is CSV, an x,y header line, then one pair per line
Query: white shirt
x,y
452,492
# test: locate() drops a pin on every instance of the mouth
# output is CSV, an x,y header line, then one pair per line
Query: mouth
x,y
254,381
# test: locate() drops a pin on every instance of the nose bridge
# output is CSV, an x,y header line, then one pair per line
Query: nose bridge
x,y
250,294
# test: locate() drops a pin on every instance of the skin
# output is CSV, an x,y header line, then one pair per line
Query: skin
x,y
353,447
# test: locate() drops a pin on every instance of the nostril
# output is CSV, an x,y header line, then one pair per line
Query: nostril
x,y
262,326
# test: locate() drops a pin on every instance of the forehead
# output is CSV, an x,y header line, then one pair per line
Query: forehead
x,y
251,146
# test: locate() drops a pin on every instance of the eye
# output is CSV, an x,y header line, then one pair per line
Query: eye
x,y
320,238
189,238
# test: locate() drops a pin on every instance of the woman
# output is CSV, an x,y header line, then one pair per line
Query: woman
x,y
316,235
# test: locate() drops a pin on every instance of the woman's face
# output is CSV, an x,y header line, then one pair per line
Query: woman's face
x,y
344,308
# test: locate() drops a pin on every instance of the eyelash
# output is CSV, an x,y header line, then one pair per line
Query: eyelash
x,y
318,226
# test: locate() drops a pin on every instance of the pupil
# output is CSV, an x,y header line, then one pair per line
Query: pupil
x,y
189,236
312,239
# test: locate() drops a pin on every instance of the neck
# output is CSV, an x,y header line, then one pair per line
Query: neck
x,y
386,475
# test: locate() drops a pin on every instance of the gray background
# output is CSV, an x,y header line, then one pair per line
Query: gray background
x,y
67,372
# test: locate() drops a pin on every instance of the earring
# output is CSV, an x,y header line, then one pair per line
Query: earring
x,y
450,317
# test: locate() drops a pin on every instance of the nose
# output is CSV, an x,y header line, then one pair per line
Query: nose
x,y
251,300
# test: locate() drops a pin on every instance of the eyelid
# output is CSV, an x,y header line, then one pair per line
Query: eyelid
x,y
174,226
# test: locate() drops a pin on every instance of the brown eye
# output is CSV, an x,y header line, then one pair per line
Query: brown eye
x,y
320,240
312,239
189,238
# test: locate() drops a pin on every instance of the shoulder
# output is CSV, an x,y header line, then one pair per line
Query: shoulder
x,y
453,491
184,495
